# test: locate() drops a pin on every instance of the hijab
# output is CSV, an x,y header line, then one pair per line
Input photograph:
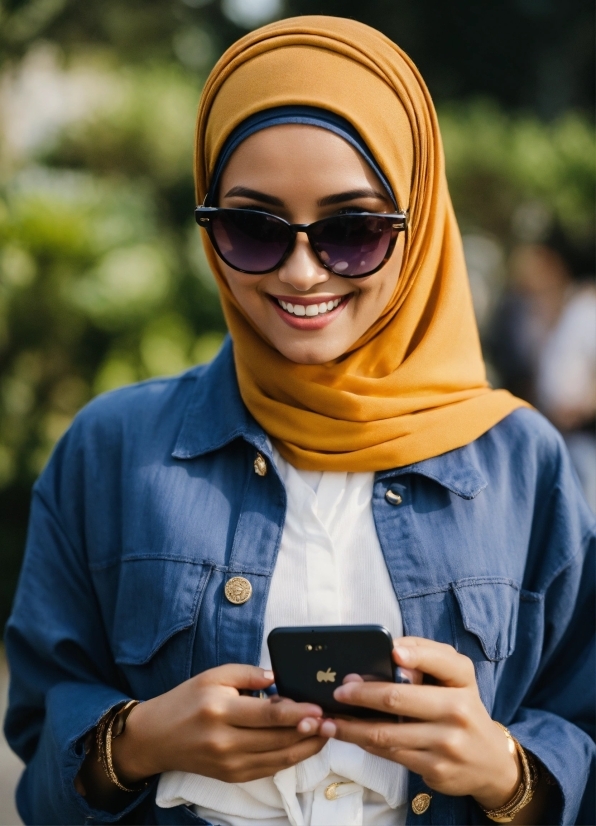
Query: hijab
x,y
414,385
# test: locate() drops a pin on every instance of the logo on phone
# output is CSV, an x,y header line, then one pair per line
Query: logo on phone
x,y
326,676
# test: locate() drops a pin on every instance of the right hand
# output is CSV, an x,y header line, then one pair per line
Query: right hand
x,y
204,726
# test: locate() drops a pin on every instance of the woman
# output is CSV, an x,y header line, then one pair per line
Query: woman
x,y
342,460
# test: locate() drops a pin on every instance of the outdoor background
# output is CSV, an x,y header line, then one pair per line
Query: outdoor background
x,y
102,276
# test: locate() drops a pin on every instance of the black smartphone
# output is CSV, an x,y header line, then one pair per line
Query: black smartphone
x,y
309,663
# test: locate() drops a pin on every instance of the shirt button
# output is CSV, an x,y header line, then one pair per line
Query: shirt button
x,y
337,790
260,465
238,590
421,803
393,497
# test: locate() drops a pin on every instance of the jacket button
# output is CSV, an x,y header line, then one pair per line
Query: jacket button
x,y
421,803
393,497
238,590
260,465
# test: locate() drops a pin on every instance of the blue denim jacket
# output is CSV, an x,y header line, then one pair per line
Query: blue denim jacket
x,y
150,503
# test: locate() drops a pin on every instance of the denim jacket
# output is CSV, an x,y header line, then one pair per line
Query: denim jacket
x,y
150,503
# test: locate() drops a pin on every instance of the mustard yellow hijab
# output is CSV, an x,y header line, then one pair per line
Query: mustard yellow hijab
x,y
414,386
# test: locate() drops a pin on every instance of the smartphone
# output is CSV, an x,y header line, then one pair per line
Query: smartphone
x,y
309,663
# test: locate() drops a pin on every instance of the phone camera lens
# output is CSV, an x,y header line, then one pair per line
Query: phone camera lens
x,y
308,647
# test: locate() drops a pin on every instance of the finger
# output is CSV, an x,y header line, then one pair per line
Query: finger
x,y
423,702
435,658
236,675
251,712
266,764
257,741
410,674
417,761
383,737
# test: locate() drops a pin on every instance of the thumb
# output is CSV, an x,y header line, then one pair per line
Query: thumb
x,y
236,675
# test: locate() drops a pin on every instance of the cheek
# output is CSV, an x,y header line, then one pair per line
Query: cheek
x,y
389,275
376,295
244,288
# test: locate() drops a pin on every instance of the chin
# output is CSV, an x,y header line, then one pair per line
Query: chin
x,y
309,355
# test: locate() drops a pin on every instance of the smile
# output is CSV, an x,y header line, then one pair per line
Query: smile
x,y
309,310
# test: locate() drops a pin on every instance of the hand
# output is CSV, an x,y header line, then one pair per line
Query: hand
x,y
449,738
206,727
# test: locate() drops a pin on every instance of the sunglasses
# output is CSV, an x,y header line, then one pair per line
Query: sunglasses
x,y
352,245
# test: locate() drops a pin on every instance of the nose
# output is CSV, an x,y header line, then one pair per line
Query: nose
x,y
302,269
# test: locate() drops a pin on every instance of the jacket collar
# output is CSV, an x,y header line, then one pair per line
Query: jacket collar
x,y
216,415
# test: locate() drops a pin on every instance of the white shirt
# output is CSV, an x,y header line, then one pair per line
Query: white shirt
x,y
330,570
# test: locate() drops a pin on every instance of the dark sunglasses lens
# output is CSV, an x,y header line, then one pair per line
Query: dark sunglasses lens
x,y
352,244
250,241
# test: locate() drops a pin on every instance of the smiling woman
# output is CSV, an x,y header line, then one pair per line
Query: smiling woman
x,y
343,461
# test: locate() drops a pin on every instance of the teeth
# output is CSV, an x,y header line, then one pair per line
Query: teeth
x,y
309,310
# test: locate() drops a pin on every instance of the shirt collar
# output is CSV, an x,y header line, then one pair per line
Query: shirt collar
x,y
216,415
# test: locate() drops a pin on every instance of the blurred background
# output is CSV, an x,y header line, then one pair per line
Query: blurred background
x,y
102,276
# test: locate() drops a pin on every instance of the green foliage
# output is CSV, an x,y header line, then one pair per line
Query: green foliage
x,y
102,276
498,162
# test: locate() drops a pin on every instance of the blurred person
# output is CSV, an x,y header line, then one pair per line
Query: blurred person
x,y
566,381
342,460
538,284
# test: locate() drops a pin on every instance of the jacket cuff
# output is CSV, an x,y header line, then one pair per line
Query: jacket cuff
x,y
47,787
564,749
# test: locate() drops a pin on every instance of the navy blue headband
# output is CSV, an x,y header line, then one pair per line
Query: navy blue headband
x,y
310,115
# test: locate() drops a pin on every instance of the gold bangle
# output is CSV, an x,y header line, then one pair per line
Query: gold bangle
x,y
109,727
525,790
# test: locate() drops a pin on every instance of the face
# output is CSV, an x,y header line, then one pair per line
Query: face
x,y
304,173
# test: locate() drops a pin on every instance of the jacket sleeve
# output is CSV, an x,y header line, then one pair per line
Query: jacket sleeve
x,y
556,721
556,718
63,678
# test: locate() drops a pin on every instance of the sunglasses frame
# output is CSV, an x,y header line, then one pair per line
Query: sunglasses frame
x,y
204,214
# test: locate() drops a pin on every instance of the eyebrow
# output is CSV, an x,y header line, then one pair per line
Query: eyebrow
x,y
328,200
351,195
254,195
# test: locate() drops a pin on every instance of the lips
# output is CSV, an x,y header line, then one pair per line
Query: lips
x,y
308,314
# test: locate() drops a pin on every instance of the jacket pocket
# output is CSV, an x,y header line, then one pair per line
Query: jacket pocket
x,y
489,611
155,614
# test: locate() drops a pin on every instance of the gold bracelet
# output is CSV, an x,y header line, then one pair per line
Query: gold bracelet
x,y
109,727
525,790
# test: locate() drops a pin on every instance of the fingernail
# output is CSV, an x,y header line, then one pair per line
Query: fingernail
x,y
268,675
402,653
305,726
328,728
341,692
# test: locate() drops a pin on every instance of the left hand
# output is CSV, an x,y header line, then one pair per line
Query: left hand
x,y
449,738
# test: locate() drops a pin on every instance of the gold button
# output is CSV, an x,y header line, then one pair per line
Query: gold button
x,y
238,590
421,803
260,465
393,498
332,793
